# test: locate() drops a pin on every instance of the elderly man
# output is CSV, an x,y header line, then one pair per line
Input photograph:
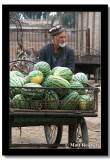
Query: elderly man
x,y
57,53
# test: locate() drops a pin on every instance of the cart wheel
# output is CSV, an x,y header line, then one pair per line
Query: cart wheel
x,y
53,134
79,135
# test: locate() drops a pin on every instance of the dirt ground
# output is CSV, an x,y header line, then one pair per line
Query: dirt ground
x,y
36,134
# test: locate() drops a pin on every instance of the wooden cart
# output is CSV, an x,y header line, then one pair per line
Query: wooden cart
x,y
52,119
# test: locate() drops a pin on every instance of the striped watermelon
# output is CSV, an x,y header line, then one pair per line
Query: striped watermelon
x,y
16,81
16,73
19,101
70,101
55,68
86,102
59,83
51,100
44,82
55,81
64,72
78,87
32,90
33,104
81,77
44,67
35,76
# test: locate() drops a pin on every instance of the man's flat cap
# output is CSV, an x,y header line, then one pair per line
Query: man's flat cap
x,y
56,30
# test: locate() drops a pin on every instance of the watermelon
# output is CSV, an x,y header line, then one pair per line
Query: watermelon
x,y
27,79
16,73
78,87
35,76
55,68
86,102
44,82
32,90
81,77
59,84
51,100
55,81
33,104
63,72
16,81
44,67
70,101
19,101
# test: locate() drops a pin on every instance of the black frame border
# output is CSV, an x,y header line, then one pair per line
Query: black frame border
x,y
104,80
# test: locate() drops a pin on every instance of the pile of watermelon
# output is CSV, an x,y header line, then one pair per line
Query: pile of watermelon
x,y
46,89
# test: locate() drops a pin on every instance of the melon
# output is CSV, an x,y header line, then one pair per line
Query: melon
x,y
44,67
35,76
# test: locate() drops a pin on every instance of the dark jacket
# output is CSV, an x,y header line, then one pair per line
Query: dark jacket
x,y
65,56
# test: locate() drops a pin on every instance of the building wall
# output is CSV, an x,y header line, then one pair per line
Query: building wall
x,y
90,20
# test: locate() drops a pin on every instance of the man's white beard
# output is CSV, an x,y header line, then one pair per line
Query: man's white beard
x,y
61,44
58,44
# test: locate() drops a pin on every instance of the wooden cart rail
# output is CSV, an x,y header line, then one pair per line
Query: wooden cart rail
x,y
20,119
